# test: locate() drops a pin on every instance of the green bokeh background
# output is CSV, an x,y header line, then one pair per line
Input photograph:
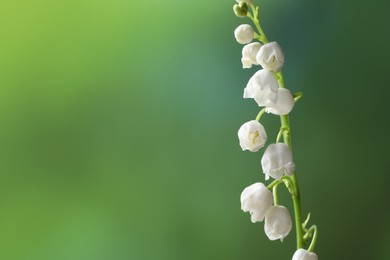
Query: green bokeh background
x,y
119,121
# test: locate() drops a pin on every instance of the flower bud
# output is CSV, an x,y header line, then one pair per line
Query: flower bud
x,y
263,87
240,9
277,161
256,199
302,254
249,53
244,34
283,105
252,136
271,57
277,223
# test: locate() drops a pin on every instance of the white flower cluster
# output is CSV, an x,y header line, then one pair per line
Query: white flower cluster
x,y
258,201
277,160
266,87
263,87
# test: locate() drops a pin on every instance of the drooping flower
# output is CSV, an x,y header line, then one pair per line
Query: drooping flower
x,y
271,57
249,53
257,200
252,136
302,254
244,34
277,161
284,103
278,223
262,87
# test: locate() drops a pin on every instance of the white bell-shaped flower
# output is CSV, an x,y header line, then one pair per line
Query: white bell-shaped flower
x,y
271,57
277,161
283,105
252,136
249,53
277,223
244,34
302,254
257,200
262,87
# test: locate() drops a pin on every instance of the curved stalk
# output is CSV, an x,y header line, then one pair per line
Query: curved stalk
x,y
314,240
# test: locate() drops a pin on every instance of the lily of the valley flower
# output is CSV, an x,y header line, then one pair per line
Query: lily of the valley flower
x,y
284,103
252,136
249,53
271,57
244,34
257,200
302,254
277,161
262,87
278,223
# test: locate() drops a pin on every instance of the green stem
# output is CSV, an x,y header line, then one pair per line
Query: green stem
x,y
275,182
297,96
255,20
279,135
295,196
275,193
304,224
260,114
314,240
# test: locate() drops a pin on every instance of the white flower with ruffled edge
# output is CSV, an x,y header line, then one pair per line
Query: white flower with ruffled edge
x,y
302,254
249,53
252,136
277,224
277,161
262,87
257,200
284,103
244,34
271,57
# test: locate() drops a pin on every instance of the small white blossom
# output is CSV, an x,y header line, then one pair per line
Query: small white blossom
x,y
249,53
277,161
252,136
246,1
262,87
257,200
244,34
277,223
271,57
302,254
283,105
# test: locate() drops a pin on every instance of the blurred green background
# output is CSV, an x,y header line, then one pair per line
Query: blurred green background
x,y
119,121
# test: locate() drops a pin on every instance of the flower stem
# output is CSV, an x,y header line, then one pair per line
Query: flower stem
x,y
295,196
255,20
275,193
260,114
275,182
314,240
304,224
